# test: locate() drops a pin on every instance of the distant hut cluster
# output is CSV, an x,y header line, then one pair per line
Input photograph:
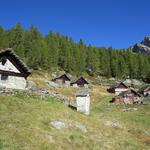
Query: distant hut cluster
x,y
82,101
65,80
14,73
125,95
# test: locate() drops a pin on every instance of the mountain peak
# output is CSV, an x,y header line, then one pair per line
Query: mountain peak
x,y
142,47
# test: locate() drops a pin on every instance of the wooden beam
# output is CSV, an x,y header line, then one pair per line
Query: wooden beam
x,y
10,73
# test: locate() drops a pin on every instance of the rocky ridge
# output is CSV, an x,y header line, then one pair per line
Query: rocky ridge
x,y
142,47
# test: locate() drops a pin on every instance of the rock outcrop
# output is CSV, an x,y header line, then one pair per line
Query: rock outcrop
x,y
146,41
142,47
63,124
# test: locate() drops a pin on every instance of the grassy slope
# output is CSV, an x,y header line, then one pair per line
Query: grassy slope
x,y
24,124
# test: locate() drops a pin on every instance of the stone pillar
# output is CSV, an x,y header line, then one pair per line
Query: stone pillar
x,y
83,102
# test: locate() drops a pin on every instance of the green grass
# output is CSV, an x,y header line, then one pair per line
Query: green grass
x,y
24,125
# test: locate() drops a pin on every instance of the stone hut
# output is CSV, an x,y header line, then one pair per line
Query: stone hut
x,y
62,79
145,90
127,97
13,72
80,82
118,88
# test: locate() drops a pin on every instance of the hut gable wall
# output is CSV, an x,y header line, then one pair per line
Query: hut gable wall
x,y
81,82
15,64
62,79
13,72
118,88
8,66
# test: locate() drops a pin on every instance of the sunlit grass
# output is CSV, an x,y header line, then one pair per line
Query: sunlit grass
x,y
24,124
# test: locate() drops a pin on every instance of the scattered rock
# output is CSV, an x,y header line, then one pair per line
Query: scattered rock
x,y
72,104
111,79
54,74
113,124
6,92
31,85
146,100
136,82
51,139
53,84
81,127
127,81
133,82
135,109
129,109
58,124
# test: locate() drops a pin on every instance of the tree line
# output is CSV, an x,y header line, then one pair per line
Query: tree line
x,y
54,52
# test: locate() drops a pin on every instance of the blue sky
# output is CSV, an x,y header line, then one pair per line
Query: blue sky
x,y
117,23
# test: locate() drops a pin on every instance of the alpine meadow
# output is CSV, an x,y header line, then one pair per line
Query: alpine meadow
x,y
75,75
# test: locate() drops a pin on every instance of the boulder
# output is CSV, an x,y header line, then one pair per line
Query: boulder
x,y
136,82
113,124
146,100
58,124
111,79
81,127
53,84
51,139
132,82
31,85
129,109
128,81
63,124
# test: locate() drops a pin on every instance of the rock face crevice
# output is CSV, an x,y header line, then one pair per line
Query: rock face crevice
x,y
142,47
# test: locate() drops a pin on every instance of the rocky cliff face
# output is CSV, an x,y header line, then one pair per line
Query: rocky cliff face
x,y
143,47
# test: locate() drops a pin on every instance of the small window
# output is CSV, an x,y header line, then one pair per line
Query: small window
x,y
4,77
3,60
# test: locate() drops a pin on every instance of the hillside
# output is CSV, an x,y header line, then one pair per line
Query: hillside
x,y
53,52
25,123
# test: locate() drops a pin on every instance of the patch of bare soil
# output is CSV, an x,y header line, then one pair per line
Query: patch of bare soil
x,y
144,138
141,136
